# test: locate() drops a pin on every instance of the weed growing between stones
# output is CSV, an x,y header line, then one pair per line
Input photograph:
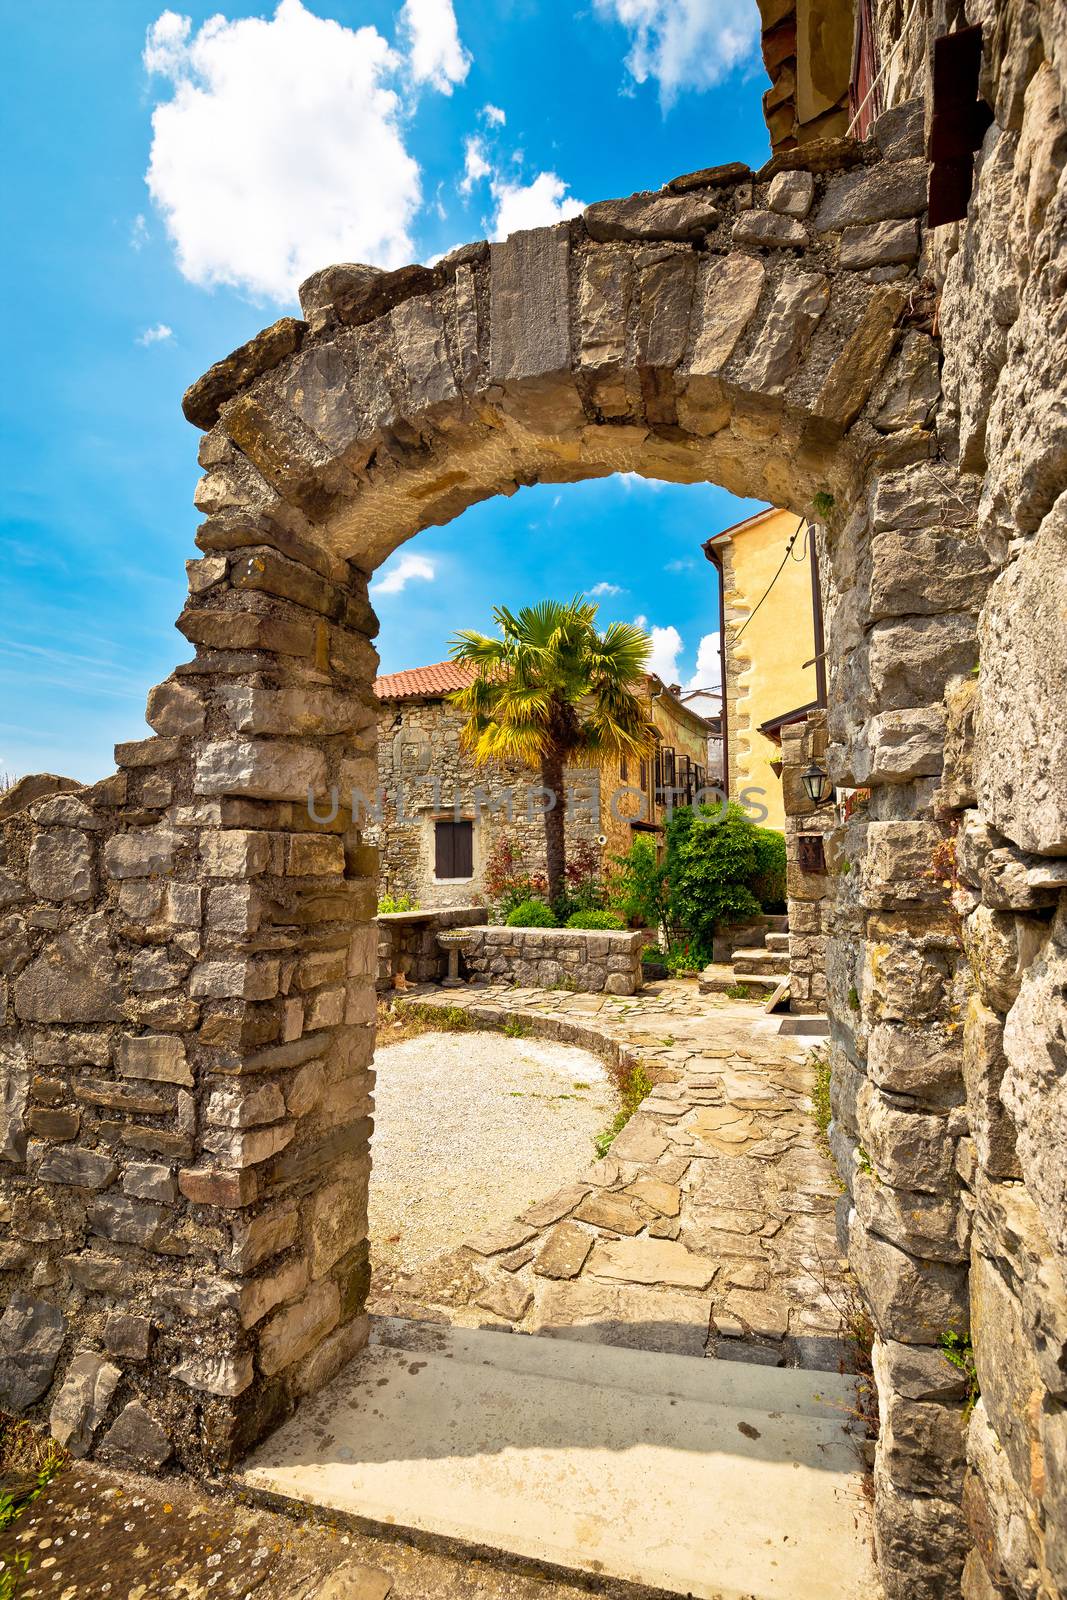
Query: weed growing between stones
x,y
820,1097
28,1463
957,1348
516,1028
633,1088
738,991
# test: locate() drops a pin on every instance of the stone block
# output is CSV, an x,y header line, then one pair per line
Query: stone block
x,y
873,194
258,1238
235,853
911,1300
158,1058
1033,1088
771,230
984,1065
74,979
652,216
912,660
563,1251
126,1221
881,244
82,1169
82,1402
652,1261
792,193
529,321
31,1337
127,1337
922,1063
296,1331
800,299
220,1374
911,386
207,1186
142,853
1020,755
926,572
262,769
337,1221
61,866
250,1146
310,855
136,1441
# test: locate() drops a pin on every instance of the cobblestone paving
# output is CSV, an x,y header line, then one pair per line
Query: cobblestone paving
x,y
708,1229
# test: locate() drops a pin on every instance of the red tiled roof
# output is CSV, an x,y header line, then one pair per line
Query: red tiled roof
x,y
424,683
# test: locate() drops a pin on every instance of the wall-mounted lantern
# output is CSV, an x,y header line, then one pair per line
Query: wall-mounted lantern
x,y
816,781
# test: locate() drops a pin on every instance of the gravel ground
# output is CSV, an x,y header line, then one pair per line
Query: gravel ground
x,y
470,1128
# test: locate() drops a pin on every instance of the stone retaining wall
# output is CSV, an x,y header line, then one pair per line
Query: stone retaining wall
x,y
408,947
594,962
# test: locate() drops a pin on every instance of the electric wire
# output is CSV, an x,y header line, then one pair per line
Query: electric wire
x,y
802,524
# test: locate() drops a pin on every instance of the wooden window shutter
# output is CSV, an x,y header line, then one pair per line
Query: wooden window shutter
x,y
454,849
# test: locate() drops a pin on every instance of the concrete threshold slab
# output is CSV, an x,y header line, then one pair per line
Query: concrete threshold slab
x,y
715,1480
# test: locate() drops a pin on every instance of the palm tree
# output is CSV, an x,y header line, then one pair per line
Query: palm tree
x,y
552,689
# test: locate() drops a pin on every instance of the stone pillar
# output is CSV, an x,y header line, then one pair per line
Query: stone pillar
x,y
187,992
808,882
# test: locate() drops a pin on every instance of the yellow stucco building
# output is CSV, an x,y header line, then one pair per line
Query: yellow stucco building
x,y
771,640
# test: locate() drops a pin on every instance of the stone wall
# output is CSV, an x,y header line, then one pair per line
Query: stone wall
x,y
408,947
810,890
948,950
186,1030
423,774
594,962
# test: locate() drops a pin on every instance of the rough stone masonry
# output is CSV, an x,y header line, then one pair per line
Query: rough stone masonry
x,y
187,962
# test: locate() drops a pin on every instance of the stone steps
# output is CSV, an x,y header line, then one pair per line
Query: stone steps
x,y
761,963
719,978
777,941
718,1480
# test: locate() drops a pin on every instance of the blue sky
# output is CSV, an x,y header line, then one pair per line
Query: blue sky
x,y
168,184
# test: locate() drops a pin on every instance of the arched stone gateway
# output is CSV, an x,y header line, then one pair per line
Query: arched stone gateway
x,y
187,959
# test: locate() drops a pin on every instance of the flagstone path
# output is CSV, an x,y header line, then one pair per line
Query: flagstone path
x,y
708,1229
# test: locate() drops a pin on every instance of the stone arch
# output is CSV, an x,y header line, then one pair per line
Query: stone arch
x,y
188,966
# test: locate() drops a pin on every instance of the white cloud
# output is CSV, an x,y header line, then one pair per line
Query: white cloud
x,y
679,566
475,165
634,480
158,334
435,53
280,149
685,44
406,570
709,664
606,588
494,116
532,205
139,235
666,648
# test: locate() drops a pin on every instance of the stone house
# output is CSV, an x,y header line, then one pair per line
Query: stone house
x,y
439,815
771,647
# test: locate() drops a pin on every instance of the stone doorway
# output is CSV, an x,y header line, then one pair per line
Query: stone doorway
x,y
189,986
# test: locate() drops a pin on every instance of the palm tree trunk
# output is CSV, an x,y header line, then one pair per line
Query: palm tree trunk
x,y
555,843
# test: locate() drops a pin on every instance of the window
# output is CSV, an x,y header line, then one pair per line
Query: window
x,y
453,849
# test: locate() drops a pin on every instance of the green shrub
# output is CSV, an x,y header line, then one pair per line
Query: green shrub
x,y
396,902
594,919
531,914
682,958
768,881
711,858
639,890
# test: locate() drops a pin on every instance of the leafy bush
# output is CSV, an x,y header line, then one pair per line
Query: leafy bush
x,y
640,890
389,903
682,957
508,881
594,919
768,881
532,914
716,862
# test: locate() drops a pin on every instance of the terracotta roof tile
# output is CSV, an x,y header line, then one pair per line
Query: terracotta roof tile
x,y
420,683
